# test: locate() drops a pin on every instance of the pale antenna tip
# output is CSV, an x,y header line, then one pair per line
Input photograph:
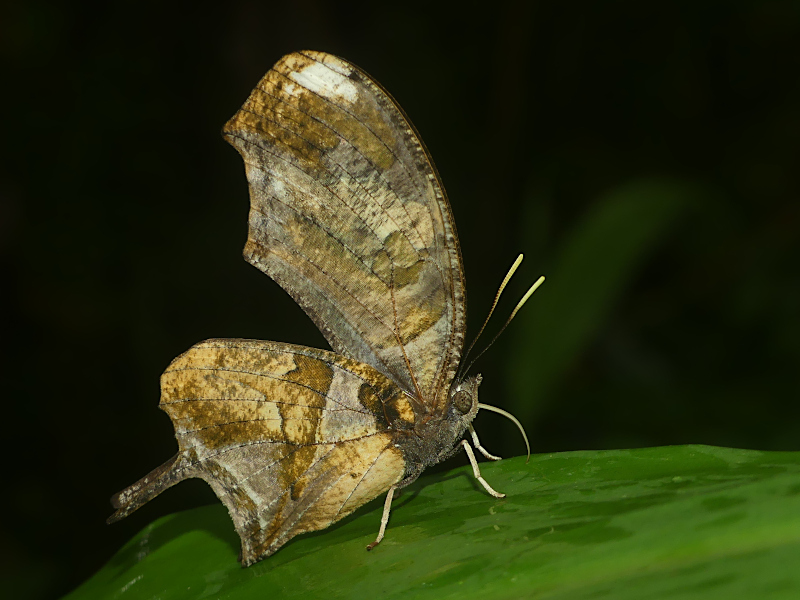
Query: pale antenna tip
x,y
527,295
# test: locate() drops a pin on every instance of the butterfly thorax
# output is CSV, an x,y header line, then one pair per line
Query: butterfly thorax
x,y
434,436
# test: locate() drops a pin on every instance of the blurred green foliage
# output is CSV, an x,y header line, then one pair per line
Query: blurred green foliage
x,y
591,271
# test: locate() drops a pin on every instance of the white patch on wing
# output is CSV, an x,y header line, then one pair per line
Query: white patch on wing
x,y
327,83
254,174
344,417
278,188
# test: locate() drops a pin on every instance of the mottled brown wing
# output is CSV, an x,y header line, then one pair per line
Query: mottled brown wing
x,y
290,438
349,217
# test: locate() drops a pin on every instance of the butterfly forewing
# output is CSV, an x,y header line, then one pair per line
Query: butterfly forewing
x,y
290,438
348,216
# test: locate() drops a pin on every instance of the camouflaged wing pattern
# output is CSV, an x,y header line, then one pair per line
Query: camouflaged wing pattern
x,y
349,217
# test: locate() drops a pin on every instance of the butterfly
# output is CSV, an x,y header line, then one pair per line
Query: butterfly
x,y
349,217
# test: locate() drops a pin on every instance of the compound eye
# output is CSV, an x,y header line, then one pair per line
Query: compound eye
x,y
462,401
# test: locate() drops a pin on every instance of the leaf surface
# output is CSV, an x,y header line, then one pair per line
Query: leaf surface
x,y
672,522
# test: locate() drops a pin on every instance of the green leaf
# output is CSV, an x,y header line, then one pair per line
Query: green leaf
x,y
675,522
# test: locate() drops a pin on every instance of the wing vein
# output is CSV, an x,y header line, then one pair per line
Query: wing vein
x,y
276,378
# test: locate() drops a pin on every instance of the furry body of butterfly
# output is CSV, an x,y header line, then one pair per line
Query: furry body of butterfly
x,y
349,217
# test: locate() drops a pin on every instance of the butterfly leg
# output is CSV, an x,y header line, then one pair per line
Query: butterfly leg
x,y
476,470
387,505
480,448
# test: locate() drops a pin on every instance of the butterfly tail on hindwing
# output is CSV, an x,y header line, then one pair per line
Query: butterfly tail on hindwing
x,y
148,487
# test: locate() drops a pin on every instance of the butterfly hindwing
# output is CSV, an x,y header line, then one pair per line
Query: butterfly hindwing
x,y
290,438
349,217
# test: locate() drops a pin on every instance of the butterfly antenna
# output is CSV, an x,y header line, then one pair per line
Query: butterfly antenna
x,y
514,312
514,419
506,279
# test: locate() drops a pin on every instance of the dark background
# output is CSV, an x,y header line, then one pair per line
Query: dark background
x,y
643,156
